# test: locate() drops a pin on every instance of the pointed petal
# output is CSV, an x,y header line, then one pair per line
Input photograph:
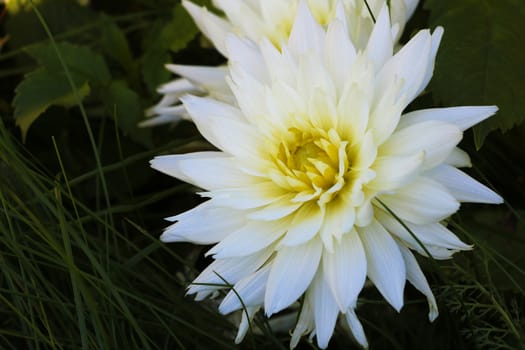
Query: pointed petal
x,y
463,117
409,64
249,290
463,187
246,53
304,325
434,236
191,227
231,270
339,53
356,328
324,308
307,34
251,238
227,133
305,224
345,269
423,201
437,139
244,326
458,158
215,28
386,267
207,170
207,78
394,172
292,271
418,280
380,45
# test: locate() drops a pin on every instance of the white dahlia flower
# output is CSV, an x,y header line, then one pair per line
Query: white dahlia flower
x,y
310,149
257,19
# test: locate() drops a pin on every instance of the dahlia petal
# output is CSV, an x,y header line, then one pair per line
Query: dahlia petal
x,y
248,197
433,235
434,45
304,325
385,264
244,326
162,119
463,117
417,52
305,224
325,310
354,109
249,239
247,54
437,139
394,172
339,219
249,290
207,170
421,202
463,187
356,328
339,53
380,45
230,270
458,158
418,280
307,34
276,210
345,269
207,78
225,133
293,268
176,88
214,27
191,225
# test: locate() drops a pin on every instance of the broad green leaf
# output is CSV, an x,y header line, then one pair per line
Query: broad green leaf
x,y
164,36
480,60
80,60
114,43
123,105
40,90
180,30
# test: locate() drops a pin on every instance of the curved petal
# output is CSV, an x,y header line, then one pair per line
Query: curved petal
x,y
249,290
230,270
306,223
307,34
210,79
345,269
207,170
386,267
437,139
293,268
463,187
356,328
215,28
249,239
324,308
418,280
244,326
204,224
423,201
380,45
463,117
394,172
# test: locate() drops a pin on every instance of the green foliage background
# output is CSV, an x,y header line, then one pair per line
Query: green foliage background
x,y
81,211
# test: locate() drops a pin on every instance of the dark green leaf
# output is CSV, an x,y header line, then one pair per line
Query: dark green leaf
x,y
81,60
41,89
481,58
114,43
179,31
153,70
123,105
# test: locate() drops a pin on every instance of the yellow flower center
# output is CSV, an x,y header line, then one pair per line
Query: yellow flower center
x,y
312,163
